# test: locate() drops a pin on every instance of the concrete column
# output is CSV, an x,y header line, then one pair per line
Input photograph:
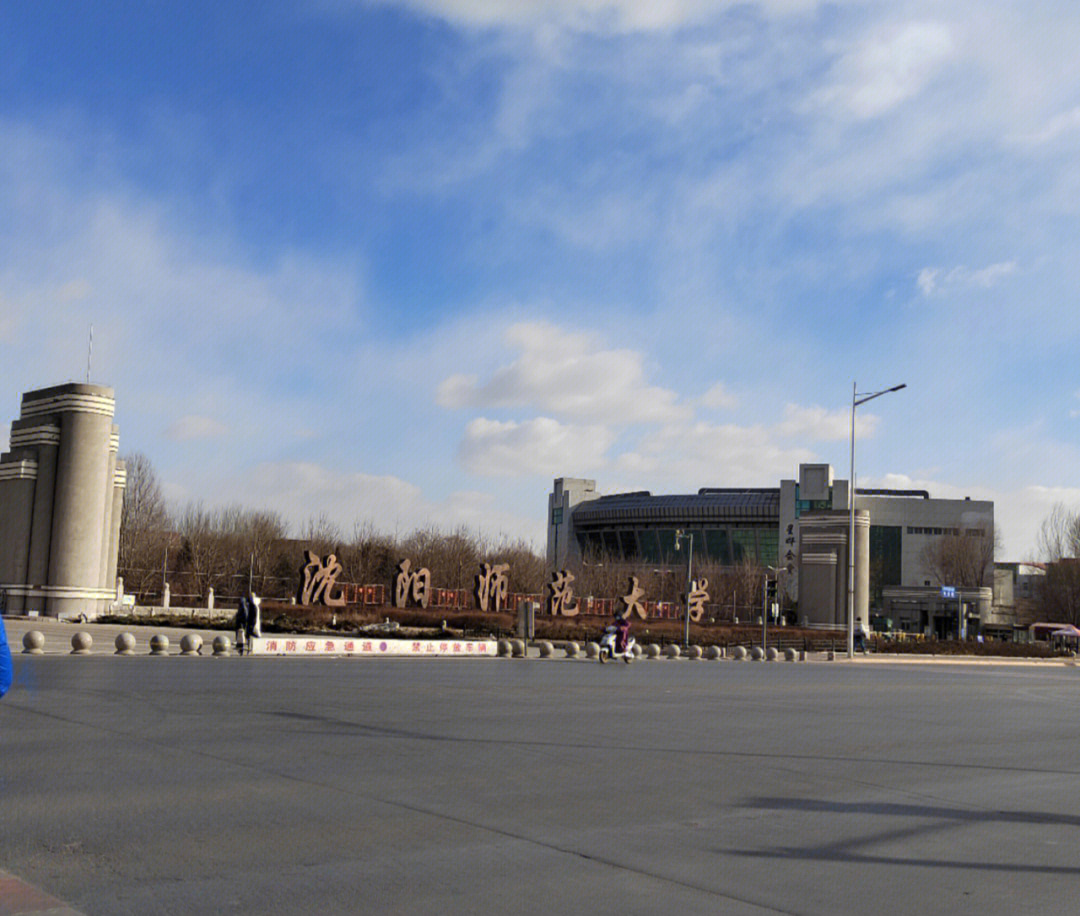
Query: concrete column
x,y
17,484
862,569
78,524
823,567
105,581
119,485
42,434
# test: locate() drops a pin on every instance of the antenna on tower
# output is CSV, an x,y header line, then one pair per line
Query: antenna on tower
x,y
89,354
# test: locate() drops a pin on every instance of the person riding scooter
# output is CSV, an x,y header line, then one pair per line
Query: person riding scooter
x,y
622,632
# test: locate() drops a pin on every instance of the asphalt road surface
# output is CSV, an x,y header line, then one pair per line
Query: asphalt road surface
x,y
453,786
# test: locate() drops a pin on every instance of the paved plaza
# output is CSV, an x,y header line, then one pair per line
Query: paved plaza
x,y
265,785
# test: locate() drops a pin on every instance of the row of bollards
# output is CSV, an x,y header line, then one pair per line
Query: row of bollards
x,y
516,648
82,644
192,644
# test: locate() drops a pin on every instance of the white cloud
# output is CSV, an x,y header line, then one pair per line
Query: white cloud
x,y
887,69
707,454
304,490
718,398
927,280
933,280
194,427
591,15
538,446
819,424
567,374
1064,123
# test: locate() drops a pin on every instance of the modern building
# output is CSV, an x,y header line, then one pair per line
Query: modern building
x,y
61,494
800,529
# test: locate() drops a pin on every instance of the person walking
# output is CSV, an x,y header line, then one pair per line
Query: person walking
x,y
241,623
254,622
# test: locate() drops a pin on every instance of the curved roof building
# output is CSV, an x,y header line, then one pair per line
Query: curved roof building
x,y
799,528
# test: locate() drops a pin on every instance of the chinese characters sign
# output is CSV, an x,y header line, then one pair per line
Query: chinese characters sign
x,y
318,581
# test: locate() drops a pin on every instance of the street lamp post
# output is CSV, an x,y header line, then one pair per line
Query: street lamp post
x,y
856,400
688,536
766,608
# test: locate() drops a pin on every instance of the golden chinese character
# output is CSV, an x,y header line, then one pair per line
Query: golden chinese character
x,y
415,584
632,602
492,586
561,600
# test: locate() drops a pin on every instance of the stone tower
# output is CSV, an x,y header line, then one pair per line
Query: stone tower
x,y
61,492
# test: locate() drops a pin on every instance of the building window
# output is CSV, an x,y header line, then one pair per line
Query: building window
x,y
716,546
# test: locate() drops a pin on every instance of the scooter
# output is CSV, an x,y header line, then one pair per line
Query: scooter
x,y
607,647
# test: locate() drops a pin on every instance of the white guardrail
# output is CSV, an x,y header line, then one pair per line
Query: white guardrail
x,y
324,645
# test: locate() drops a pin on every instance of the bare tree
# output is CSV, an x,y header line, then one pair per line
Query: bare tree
x,y
144,526
201,558
1059,547
321,535
248,539
965,559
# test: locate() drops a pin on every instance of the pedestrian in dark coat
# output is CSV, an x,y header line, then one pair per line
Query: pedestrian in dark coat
x,y
241,623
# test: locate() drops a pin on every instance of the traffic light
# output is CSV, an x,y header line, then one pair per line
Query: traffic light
x,y
770,589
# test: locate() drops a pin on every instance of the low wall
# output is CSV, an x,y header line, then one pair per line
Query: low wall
x,y
193,613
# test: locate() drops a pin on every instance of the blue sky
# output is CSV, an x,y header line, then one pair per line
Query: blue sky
x,y
405,262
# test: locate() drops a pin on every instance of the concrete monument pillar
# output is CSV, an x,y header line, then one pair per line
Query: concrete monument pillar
x,y
17,485
68,433
106,577
41,435
118,487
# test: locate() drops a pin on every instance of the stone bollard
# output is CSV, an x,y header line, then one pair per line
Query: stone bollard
x,y
652,650
33,642
693,653
503,648
672,651
592,650
573,650
159,644
712,653
191,644
756,654
81,643
637,650
517,648
545,648
771,654
738,653
790,654
125,644
222,646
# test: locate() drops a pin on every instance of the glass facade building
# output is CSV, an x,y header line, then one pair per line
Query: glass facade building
x,y
729,526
